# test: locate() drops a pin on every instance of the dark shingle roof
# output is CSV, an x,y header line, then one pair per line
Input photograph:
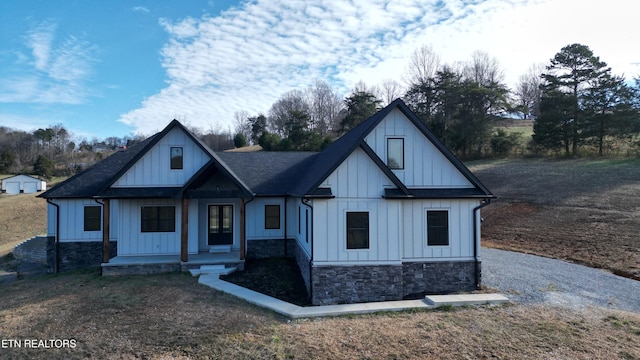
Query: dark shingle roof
x,y
92,180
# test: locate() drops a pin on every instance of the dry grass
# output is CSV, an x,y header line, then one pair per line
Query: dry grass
x,y
587,211
171,316
21,217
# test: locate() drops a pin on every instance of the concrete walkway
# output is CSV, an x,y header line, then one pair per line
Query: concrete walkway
x,y
295,311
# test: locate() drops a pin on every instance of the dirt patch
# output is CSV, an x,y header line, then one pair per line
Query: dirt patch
x,y
582,211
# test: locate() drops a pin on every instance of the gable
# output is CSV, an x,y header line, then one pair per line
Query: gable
x,y
425,166
153,169
357,177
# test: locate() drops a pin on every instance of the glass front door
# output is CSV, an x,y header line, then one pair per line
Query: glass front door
x,y
220,224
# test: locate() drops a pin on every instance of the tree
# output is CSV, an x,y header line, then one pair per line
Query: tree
x,y
502,143
483,70
571,71
242,124
43,167
324,106
423,65
388,91
279,114
552,129
239,140
527,92
7,160
360,105
258,125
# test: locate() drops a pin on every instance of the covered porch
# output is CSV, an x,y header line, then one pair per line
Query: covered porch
x,y
154,264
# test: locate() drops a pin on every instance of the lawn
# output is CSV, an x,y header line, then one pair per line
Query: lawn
x,y
21,217
172,316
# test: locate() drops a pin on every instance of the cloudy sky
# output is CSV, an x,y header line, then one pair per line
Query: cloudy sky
x,y
113,68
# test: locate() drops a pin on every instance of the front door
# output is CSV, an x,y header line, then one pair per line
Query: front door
x,y
220,224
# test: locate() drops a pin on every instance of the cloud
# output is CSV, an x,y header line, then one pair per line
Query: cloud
x,y
246,57
141,9
57,70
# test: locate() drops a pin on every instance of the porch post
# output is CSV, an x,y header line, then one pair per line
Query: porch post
x,y
184,236
242,228
106,230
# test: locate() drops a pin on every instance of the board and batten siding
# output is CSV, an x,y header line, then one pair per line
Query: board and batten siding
x,y
72,220
132,241
255,219
154,168
424,164
301,233
414,224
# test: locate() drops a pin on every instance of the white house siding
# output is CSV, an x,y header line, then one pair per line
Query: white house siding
x,y
424,164
154,168
302,234
202,222
132,241
255,219
72,221
414,225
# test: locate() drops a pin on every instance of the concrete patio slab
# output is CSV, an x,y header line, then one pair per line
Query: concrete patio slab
x,y
465,299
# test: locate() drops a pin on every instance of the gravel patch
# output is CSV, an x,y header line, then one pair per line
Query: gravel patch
x,y
530,279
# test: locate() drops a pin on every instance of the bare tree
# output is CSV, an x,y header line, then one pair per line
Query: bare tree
x,y
324,106
527,91
241,124
389,90
423,65
289,102
484,70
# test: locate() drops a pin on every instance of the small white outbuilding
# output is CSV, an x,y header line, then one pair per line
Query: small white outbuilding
x,y
23,184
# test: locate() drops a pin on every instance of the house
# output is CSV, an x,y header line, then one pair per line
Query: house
x,y
384,212
26,184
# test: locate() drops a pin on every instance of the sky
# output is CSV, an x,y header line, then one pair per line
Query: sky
x,y
127,67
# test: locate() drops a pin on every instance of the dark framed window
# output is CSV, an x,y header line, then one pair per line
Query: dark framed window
x,y
92,218
437,227
395,153
299,222
176,157
357,230
272,216
158,218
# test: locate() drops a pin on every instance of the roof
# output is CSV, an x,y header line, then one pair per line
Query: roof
x,y
263,173
29,176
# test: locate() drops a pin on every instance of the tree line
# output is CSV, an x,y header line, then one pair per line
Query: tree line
x,y
575,101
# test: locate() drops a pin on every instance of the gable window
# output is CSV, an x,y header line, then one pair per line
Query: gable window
x,y
272,216
92,216
357,230
395,153
158,219
437,227
176,157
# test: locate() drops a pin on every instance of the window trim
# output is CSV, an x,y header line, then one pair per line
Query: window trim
x,y
99,218
347,230
171,162
401,166
268,218
157,220
448,227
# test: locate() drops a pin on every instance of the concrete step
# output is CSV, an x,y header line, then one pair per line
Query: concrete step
x,y
212,269
465,299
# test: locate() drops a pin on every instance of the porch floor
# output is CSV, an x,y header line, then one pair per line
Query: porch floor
x,y
123,265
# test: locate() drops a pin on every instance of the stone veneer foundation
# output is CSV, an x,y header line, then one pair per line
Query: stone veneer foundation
x,y
367,283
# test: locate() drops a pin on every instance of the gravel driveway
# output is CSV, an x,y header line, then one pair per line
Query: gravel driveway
x,y
530,279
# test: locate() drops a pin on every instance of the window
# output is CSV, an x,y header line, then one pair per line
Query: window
x,y
158,219
272,216
357,230
437,228
395,153
92,219
299,220
176,158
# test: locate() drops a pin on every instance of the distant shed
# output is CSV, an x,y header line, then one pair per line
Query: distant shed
x,y
23,184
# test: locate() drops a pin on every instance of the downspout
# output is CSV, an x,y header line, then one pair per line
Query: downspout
x,y
285,226
310,239
476,240
56,240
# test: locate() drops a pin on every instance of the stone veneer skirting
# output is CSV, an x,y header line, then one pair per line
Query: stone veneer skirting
x,y
268,248
82,255
368,283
